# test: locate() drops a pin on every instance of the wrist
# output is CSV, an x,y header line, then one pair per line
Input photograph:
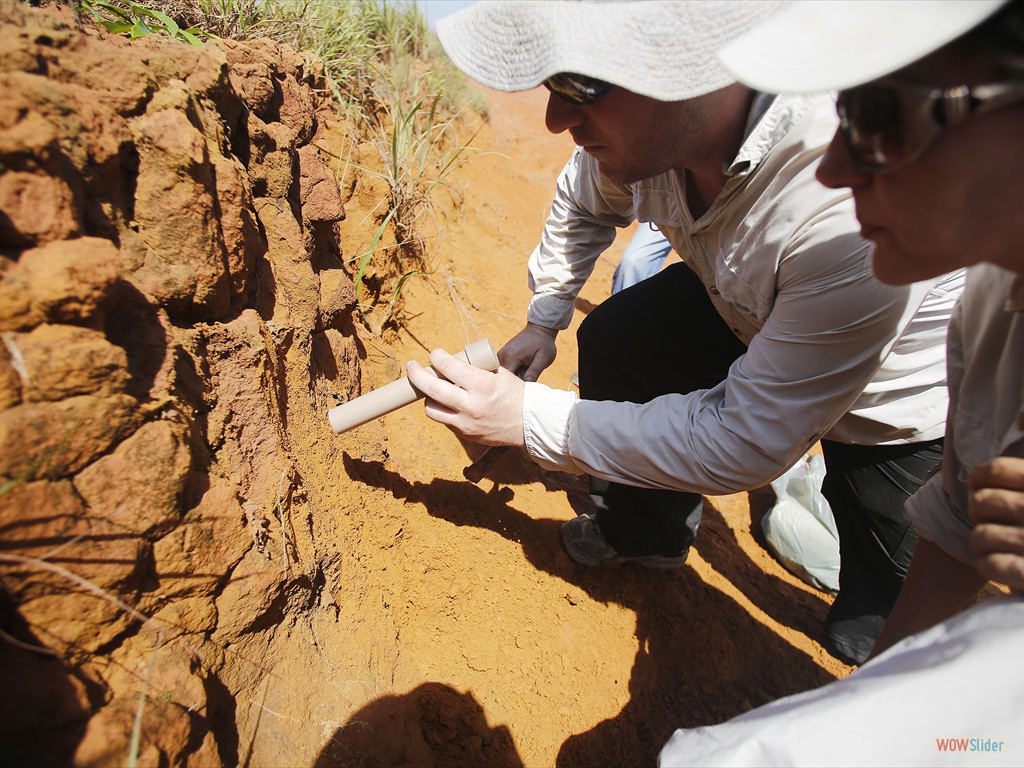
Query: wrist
x,y
550,332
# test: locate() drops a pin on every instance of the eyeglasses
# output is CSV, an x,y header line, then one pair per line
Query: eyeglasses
x,y
888,124
578,89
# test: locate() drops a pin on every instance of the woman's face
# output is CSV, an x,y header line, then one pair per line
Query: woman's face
x,y
960,202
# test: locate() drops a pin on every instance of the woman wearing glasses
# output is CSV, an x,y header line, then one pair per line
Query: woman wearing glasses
x,y
934,156
931,142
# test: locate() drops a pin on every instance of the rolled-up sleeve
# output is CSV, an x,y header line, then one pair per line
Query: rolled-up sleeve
x,y
937,519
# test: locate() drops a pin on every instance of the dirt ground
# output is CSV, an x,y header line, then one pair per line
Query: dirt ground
x,y
195,563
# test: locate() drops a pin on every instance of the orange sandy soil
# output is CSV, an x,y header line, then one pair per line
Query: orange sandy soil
x,y
568,665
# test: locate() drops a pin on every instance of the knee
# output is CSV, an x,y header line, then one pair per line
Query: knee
x,y
598,331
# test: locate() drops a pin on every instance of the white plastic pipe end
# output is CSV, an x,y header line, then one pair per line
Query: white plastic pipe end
x,y
480,354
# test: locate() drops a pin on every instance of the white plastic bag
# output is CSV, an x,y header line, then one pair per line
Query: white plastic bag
x,y
800,530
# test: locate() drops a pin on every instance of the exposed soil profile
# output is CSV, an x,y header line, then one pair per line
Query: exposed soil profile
x,y
176,307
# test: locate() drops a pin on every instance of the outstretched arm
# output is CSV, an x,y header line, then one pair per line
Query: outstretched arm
x,y
585,215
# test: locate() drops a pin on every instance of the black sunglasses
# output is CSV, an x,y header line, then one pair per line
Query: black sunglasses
x,y
578,89
888,124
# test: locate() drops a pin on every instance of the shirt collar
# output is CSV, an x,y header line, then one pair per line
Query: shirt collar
x,y
769,120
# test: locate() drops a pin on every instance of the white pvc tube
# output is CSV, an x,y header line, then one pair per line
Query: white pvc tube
x,y
390,397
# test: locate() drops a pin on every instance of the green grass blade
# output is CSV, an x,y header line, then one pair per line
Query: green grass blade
x,y
169,24
140,29
365,259
119,12
398,290
118,27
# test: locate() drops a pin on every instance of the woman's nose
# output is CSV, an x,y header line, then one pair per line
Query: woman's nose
x,y
562,115
838,168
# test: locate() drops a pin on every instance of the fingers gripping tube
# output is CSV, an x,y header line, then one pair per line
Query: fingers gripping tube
x,y
391,397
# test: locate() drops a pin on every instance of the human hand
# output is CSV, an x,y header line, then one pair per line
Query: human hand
x,y
477,405
532,349
997,510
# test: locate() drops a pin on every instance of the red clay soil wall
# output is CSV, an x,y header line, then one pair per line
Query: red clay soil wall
x,y
171,292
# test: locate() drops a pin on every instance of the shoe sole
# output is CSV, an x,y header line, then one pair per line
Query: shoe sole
x,y
657,562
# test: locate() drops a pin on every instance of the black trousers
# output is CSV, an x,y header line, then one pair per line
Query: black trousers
x,y
664,335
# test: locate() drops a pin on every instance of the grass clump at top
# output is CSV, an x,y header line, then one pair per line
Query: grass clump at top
x,y
389,80
398,90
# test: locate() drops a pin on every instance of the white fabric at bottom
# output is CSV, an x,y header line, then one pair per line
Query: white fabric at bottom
x,y
951,696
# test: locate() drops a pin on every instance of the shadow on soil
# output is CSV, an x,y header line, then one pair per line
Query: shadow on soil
x,y
703,658
431,725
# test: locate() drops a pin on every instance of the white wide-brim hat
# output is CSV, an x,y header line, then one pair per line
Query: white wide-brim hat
x,y
664,49
825,45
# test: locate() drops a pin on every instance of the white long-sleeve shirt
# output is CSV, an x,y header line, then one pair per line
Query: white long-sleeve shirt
x,y
831,351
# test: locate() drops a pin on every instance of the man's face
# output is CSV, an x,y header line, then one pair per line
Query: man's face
x,y
632,137
959,203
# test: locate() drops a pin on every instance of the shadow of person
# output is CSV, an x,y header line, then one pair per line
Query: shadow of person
x,y
798,609
702,658
432,725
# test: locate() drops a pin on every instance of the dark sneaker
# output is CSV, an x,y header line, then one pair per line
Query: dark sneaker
x,y
586,545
